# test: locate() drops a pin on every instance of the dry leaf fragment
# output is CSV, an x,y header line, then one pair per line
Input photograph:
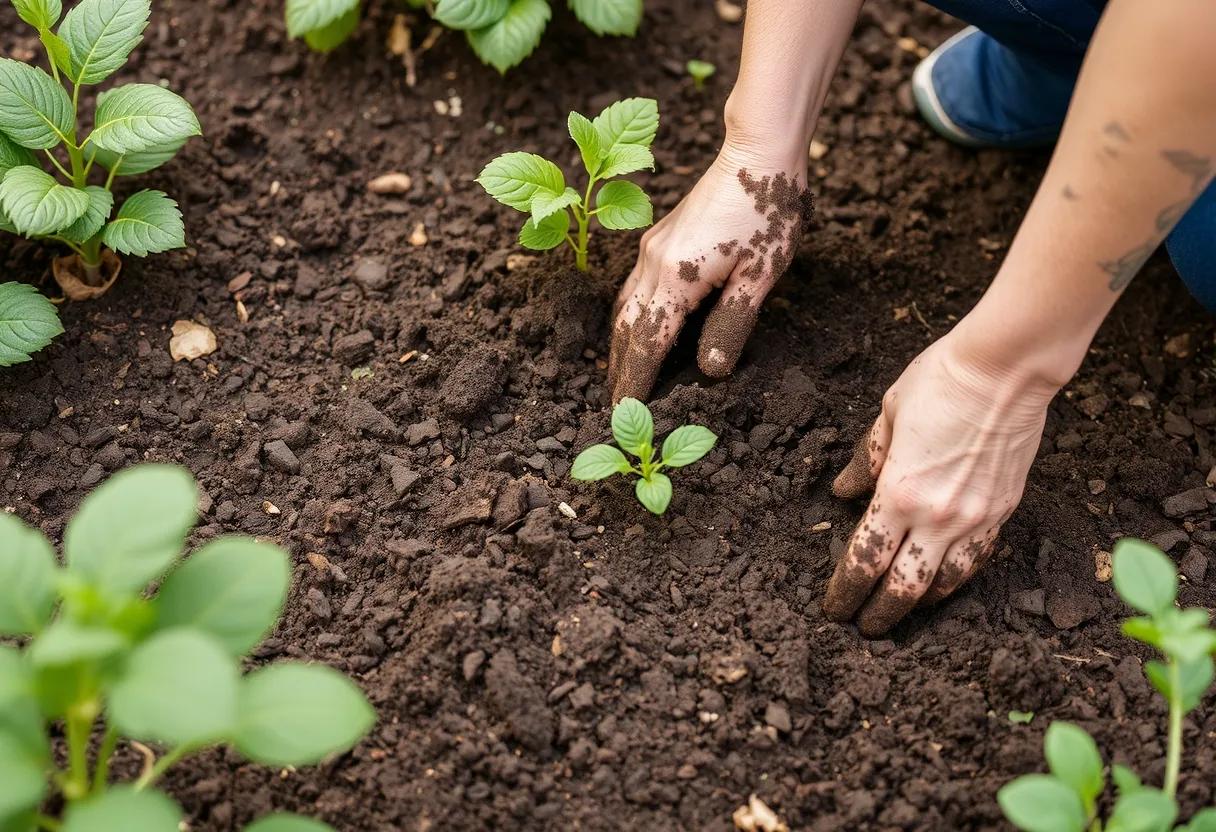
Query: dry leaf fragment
x,y
418,236
727,11
757,817
391,183
191,341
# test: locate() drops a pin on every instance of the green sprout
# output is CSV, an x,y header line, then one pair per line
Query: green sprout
x,y
617,142
1066,800
105,658
700,72
633,429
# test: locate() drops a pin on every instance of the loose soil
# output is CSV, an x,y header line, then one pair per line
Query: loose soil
x,y
613,671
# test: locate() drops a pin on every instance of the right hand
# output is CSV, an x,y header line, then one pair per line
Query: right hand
x,y
736,231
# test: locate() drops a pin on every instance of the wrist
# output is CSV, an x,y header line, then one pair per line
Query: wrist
x,y
776,139
1031,353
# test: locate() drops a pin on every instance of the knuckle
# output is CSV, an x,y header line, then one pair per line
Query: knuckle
x,y
906,500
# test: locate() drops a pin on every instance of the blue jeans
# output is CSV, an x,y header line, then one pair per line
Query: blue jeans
x,y
1031,61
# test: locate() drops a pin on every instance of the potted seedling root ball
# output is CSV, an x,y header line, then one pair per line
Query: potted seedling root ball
x,y
614,143
57,178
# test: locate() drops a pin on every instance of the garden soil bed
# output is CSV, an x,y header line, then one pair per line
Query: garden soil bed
x,y
613,670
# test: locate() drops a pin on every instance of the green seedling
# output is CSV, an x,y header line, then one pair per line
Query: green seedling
x,y
136,128
615,143
502,33
104,658
633,429
1066,800
700,72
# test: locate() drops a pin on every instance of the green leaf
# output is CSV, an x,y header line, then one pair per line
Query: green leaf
x,y
147,223
101,203
125,808
512,38
549,234
28,322
1205,821
1125,780
131,528
132,164
588,140
632,425
66,642
22,782
1144,577
655,493
298,714
13,155
305,16
1189,646
101,34
470,14
622,205
1021,717
37,204
609,17
333,35
57,48
137,118
41,14
35,111
1072,755
632,121
1144,810
545,204
685,445
515,178
700,70
20,718
232,588
1142,628
178,688
287,823
27,578
1196,678
626,158
599,462
1041,803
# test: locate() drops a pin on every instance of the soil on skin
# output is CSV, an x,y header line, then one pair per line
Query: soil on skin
x,y
614,671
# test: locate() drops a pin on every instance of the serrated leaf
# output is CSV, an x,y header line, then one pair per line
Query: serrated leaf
x,y
13,155
599,462
41,14
27,577
124,807
655,493
1144,577
100,34
35,111
101,202
549,234
28,322
631,121
609,17
632,425
287,823
333,35
36,204
515,178
685,445
1144,810
147,223
137,118
1041,803
588,140
622,205
132,164
626,158
545,204
470,14
305,16
57,49
512,38
1072,755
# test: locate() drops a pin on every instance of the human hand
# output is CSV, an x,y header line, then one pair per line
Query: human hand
x,y
947,460
736,230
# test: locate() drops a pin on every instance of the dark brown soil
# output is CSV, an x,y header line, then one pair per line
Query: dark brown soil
x,y
614,671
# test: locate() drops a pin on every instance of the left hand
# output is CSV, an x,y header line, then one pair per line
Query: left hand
x,y
947,459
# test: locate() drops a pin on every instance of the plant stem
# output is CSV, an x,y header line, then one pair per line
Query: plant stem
x,y
1173,758
162,765
58,166
583,215
101,771
79,722
48,823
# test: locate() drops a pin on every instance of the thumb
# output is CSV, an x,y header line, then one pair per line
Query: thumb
x,y
861,474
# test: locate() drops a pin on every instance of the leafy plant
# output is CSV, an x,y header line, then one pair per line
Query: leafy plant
x,y
28,322
633,429
501,32
615,143
700,71
1066,799
105,657
136,128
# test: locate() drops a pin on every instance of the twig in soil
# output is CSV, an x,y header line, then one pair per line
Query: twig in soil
x,y
921,318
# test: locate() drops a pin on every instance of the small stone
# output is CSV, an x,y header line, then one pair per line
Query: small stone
x,y
472,663
1194,565
1194,501
418,236
391,183
1030,601
1178,425
319,604
582,696
1096,487
353,348
778,716
403,479
1094,406
280,457
550,445
728,12
371,275
1168,540
91,476
423,431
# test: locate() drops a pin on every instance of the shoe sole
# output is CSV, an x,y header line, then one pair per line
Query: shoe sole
x,y
930,105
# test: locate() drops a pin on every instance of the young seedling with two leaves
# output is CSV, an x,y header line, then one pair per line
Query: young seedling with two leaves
x,y
105,658
615,143
1066,799
136,128
633,429
501,32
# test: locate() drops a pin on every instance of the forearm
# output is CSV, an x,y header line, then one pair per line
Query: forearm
x,y
1138,146
790,52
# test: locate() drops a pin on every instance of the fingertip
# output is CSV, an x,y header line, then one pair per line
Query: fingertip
x,y
854,481
715,362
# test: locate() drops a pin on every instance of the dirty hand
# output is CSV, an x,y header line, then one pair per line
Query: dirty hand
x,y
947,460
736,231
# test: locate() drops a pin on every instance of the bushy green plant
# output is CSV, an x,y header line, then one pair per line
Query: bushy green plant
x,y
136,128
633,430
1066,800
615,143
105,657
501,32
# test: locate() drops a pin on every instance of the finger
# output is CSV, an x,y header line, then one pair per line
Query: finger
x,y
861,474
651,337
730,323
634,297
962,560
911,573
871,548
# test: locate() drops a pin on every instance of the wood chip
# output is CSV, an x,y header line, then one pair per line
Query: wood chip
x,y
391,183
190,341
242,314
